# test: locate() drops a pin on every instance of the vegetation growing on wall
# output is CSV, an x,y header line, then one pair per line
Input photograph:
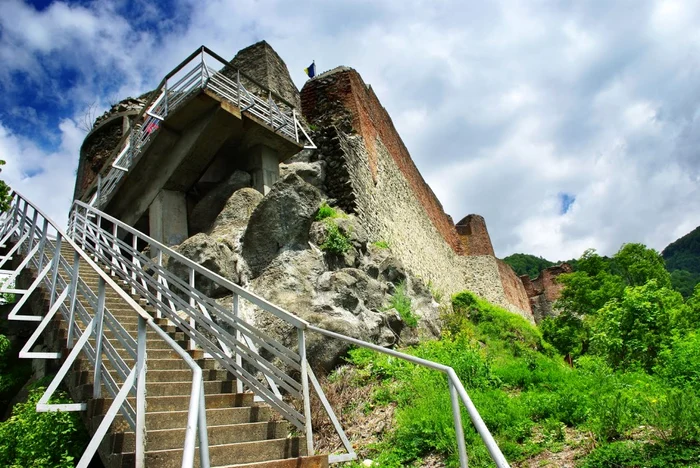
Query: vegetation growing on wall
x,y
401,302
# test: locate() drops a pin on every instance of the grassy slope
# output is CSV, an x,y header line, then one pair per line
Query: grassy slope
x,y
536,406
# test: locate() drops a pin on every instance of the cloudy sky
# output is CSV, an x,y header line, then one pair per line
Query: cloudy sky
x,y
567,125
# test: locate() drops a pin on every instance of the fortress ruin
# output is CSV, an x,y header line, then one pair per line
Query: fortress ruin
x,y
182,182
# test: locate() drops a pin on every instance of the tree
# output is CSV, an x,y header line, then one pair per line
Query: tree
x,y
638,264
5,198
591,287
635,328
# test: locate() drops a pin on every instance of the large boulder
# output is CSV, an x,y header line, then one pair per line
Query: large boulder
x,y
312,172
280,222
234,217
211,254
208,208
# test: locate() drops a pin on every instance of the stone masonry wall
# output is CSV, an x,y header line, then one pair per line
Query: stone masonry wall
x,y
474,236
512,287
344,86
376,179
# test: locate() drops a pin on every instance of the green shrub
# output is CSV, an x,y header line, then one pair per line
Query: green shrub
x,y
680,363
495,323
326,212
402,303
381,244
336,242
41,440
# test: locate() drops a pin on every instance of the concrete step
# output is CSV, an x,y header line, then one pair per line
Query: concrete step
x,y
177,403
317,461
178,375
211,387
225,454
166,439
178,419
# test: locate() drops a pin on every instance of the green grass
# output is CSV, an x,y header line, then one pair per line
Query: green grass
x,y
402,303
336,242
381,244
325,212
527,396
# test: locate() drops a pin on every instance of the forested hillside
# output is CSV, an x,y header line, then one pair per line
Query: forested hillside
x,y
526,264
683,261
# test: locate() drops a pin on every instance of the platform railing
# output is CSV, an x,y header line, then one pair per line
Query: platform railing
x,y
203,69
175,289
28,234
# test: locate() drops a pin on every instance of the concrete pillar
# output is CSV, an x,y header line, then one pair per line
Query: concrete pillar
x,y
167,218
262,162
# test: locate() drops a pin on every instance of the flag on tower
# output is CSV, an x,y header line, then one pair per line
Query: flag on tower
x,y
311,69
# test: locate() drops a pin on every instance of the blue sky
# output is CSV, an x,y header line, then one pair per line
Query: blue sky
x,y
567,125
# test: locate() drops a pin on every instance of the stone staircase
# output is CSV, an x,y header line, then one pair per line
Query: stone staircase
x,y
242,433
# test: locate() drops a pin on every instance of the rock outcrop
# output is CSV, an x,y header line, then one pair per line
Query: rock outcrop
x,y
280,222
544,290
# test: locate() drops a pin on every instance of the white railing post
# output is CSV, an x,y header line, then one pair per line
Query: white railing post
x,y
99,336
165,99
159,296
191,345
56,262
305,392
141,394
202,424
134,253
239,359
238,86
75,275
457,419
42,244
32,229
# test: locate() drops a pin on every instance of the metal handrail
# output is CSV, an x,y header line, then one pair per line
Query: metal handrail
x,y
169,95
28,227
83,215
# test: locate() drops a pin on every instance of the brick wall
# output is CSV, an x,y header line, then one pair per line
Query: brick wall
x,y
474,236
370,173
345,91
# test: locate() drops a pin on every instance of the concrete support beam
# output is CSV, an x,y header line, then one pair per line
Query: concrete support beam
x,y
262,162
167,218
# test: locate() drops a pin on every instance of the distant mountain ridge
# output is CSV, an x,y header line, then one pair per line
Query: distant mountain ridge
x,y
531,265
682,259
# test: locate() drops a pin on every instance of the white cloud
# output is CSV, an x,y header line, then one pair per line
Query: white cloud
x,y
503,105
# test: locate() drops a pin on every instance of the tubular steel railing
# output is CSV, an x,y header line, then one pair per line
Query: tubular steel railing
x,y
174,288
92,329
187,79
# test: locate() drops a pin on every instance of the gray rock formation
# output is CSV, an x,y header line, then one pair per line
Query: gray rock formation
x,y
280,222
313,173
211,254
208,208
233,218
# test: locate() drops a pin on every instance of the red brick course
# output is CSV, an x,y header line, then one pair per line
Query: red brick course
x,y
370,120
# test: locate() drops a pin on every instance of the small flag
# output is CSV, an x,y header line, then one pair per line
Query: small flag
x,y
152,127
311,70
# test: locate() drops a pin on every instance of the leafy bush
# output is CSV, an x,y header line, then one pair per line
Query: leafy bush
x,y
326,212
336,242
41,440
679,364
381,244
633,329
495,323
402,303
13,372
